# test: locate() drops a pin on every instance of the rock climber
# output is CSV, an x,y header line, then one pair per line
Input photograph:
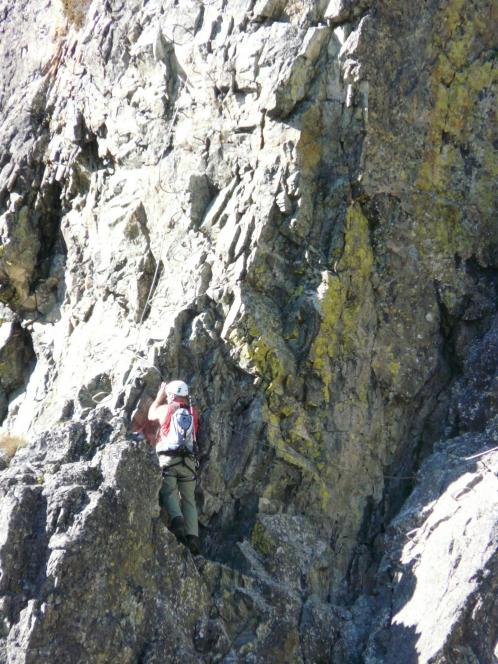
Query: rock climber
x,y
176,449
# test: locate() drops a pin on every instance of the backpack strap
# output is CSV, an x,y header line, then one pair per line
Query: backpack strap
x,y
194,433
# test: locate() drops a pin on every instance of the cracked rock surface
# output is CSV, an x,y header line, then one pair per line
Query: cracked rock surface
x,y
291,206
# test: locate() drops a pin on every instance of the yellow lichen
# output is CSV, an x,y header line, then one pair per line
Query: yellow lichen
x,y
393,368
301,440
342,298
454,208
260,540
304,457
457,80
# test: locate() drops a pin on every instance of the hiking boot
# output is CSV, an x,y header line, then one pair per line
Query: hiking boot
x,y
192,542
177,527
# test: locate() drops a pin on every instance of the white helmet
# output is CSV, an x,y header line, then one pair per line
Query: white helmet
x,y
178,388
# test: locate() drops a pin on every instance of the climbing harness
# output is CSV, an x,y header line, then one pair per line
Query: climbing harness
x,y
181,462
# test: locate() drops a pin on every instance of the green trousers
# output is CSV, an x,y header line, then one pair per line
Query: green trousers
x,y
177,494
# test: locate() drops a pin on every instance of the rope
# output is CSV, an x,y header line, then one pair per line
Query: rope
x,y
480,454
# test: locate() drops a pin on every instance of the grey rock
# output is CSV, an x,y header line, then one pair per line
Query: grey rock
x,y
475,396
290,206
16,361
76,513
442,557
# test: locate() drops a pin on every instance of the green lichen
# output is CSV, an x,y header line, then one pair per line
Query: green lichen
x,y
326,342
454,205
257,338
257,353
260,349
300,439
300,449
387,367
393,368
260,540
292,431
459,81
342,296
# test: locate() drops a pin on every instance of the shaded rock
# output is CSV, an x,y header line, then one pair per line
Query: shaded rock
x,y
16,361
445,537
291,552
475,397
20,244
320,629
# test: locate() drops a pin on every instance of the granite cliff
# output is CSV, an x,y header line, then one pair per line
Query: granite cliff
x,y
290,204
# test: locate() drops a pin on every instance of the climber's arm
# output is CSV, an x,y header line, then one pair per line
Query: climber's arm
x,y
158,408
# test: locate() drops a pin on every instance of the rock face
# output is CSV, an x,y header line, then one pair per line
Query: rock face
x,y
289,205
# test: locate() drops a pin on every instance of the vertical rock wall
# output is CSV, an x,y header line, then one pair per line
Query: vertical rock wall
x,y
290,206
